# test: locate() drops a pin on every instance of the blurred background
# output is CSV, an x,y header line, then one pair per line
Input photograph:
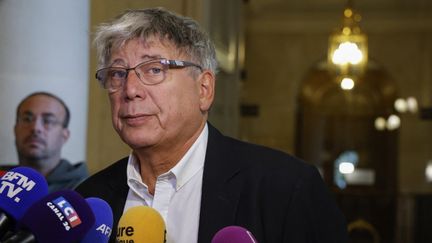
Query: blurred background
x,y
344,85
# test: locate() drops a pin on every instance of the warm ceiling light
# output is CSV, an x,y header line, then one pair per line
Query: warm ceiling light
x,y
393,122
348,50
380,123
428,171
347,83
401,105
412,104
347,53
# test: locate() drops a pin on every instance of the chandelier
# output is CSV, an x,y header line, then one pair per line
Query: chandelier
x,y
348,50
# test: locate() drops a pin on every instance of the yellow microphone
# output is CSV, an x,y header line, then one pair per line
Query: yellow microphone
x,y
141,224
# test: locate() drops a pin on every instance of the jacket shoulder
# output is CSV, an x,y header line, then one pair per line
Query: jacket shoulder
x,y
107,180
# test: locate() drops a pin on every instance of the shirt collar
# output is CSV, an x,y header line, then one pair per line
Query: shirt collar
x,y
192,161
183,171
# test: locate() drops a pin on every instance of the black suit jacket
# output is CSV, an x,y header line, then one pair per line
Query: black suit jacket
x,y
274,195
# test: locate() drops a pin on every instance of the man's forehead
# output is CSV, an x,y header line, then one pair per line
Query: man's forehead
x,y
149,43
42,104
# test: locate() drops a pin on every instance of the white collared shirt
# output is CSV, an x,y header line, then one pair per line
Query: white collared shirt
x,y
177,194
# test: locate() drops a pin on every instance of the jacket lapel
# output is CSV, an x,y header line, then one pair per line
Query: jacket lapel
x,y
118,188
220,189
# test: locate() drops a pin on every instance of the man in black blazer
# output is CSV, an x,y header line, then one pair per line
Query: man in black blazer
x,y
159,69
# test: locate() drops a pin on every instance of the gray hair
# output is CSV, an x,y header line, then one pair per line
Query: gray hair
x,y
185,33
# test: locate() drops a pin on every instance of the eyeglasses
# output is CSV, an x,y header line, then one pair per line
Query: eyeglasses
x,y
149,72
48,120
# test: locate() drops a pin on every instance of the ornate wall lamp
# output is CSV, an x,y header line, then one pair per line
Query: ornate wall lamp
x,y
348,50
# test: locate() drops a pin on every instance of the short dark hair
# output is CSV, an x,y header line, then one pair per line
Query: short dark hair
x,y
67,112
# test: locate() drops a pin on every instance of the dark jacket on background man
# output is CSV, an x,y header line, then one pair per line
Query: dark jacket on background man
x,y
66,175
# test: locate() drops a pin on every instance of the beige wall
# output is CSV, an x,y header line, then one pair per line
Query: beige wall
x,y
283,43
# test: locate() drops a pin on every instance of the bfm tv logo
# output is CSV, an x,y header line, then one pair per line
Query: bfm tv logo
x,y
64,210
13,183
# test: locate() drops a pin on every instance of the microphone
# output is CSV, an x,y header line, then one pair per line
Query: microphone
x,y
233,234
62,216
141,224
101,230
20,187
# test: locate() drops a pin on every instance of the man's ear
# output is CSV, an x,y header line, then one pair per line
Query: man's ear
x,y
206,82
15,129
65,135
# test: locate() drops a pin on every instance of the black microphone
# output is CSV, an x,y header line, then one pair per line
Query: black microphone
x,y
20,188
62,216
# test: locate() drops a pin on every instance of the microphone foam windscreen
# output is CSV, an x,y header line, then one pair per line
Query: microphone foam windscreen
x,y
141,224
62,216
19,189
101,230
233,234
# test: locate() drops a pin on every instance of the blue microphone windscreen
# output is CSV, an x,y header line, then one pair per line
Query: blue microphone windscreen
x,y
19,189
101,230
62,216
233,234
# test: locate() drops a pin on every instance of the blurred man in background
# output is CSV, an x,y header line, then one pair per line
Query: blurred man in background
x,y
41,130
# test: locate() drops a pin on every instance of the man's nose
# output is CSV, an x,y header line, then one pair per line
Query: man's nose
x,y
38,124
133,86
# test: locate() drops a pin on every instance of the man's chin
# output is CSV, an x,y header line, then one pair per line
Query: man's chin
x,y
34,154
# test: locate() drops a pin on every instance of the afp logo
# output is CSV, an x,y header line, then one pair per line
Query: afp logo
x,y
104,229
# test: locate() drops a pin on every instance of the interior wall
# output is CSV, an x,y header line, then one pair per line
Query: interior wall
x,y
283,43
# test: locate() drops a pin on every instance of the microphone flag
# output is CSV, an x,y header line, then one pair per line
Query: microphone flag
x,y
102,228
233,234
141,224
62,216
20,188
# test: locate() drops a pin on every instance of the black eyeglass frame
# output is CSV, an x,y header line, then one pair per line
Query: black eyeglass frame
x,y
169,64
